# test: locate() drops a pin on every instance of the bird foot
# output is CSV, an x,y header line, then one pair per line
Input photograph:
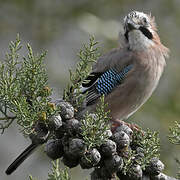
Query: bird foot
x,y
116,123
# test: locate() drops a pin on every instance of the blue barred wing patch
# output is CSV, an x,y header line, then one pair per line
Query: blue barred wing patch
x,y
110,79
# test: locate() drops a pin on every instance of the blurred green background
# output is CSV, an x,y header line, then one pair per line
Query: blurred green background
x,y
61,26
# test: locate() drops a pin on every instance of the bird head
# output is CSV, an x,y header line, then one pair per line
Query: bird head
x,y
139,21
141,27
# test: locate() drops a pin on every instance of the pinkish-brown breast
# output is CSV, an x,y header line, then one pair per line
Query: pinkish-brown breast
x,y
138,85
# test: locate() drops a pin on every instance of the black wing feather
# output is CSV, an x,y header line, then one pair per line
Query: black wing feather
x,y
91,79
104,83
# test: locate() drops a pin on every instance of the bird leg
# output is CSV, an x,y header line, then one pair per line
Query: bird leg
x,y
117,122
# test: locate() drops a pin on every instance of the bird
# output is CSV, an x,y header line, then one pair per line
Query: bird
x,y
128,75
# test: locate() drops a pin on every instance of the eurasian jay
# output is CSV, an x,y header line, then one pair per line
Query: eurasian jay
x,y
128,75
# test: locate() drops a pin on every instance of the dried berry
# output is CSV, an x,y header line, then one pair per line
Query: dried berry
x,y
113,164
40,134
75,147
162,176
70,161
124,128
90,159
121,139
155,166
72,127
109,133
66,109
55,122
136,172
102,174
108,148
54,148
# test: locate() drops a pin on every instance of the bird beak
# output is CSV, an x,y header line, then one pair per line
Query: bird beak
x,y
131,24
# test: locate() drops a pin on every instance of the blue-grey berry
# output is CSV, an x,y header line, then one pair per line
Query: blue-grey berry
x,y
125,128
40,134
162,176
90,159
61,131
108,148
139,153
102,174
72,127
121,139
136,172
94,116
113,164
155,166
70,161
55,122
66,109
108,133
54,148
75,147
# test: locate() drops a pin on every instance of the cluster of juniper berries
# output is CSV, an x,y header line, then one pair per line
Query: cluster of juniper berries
x,y
109,160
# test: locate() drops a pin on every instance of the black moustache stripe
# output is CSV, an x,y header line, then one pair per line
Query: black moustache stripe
x,y
126,35
146,32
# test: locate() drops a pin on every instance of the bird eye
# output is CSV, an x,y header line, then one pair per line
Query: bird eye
x,y
145,20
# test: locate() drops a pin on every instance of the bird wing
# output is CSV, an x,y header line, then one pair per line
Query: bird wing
x,y
108,73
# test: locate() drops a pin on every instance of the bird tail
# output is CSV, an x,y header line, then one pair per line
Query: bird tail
x,y
19,160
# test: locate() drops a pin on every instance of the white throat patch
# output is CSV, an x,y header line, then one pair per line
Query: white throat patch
x,y
137,40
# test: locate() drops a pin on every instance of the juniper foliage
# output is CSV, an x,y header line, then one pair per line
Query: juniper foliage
x,y
24,93
32,178
87,55
57,173
94,126
149,142
174,137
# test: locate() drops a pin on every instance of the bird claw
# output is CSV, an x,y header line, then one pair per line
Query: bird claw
x,y
116,123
